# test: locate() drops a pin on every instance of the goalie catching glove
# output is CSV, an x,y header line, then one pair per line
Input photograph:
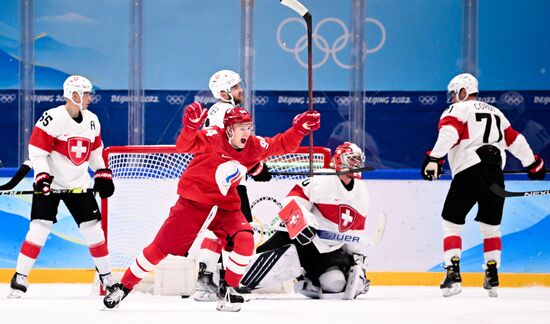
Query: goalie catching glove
x,y
432,167
307,121
194,116
103,183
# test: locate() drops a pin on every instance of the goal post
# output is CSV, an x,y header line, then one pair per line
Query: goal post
x,y
146,179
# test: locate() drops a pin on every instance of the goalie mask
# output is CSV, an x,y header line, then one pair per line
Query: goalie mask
x,y
464,81
348,156
224,80
78,84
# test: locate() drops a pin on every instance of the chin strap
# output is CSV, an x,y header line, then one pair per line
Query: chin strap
x,y
78,104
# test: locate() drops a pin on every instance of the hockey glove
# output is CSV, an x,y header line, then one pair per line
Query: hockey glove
x,y
103,183
194,116
306,122
260,172
42,183
432,167
536,171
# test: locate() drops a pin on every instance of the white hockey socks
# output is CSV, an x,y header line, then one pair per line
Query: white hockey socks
x,y
452,241
95,238
34,241
492,243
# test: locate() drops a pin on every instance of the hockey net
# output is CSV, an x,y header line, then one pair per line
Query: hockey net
x,y
146,179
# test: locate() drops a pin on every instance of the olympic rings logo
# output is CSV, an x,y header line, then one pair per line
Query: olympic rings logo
x,y
427,100
7,98
260,100
175,100
96,98
512,99
323,44
343,101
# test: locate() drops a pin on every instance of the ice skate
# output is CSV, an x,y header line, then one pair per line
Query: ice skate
x,y
491,279
107,281
230,300
452,284
18,286
118,293
206,289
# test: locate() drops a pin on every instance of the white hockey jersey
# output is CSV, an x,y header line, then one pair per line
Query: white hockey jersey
x,y
216,113
64,148
333,208
468,125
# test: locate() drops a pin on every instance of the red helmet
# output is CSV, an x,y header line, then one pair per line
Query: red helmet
x,y
348,156
236,115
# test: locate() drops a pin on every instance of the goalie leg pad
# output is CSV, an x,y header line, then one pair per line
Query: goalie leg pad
x,y
333,280
357,283
272,267
306,287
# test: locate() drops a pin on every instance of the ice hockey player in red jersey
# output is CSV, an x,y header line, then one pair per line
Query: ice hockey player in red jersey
x,y
64,143
225,86
332,206
474,134
222,158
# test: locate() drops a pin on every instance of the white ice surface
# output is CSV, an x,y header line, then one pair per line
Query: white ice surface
x,y
76,303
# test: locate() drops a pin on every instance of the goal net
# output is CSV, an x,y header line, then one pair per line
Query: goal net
x,y
146,179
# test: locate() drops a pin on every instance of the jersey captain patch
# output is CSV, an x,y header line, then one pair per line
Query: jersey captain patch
x,y
78,149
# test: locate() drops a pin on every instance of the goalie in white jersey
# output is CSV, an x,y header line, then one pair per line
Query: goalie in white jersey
x,y
335,207
225,86
474,135
65,141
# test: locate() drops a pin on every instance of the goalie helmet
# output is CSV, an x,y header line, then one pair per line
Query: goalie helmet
x,y
78,84
223,80
236,115
464,81
348,156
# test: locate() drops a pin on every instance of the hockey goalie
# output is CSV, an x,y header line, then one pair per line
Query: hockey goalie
x,y
324,219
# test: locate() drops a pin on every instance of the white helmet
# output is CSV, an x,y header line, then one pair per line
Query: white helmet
x,y
463,81
223,80
78,84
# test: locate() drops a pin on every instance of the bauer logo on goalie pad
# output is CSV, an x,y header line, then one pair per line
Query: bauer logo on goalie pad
x,y
293,218
78,149
229,174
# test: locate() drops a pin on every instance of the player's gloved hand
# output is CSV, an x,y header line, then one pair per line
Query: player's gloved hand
x,y
307,121
42,183
536,171
103,182
432,167
260,172
194,116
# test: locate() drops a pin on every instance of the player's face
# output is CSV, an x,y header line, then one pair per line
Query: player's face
x,y
241,133
85,100
237,93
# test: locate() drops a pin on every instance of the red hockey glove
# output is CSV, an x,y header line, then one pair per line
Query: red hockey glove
x,y
536,171
306,122
432,167
103,183
194,116
42,183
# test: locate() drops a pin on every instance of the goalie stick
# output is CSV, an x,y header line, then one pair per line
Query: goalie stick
x,y
303,11
19,175
501,192
364,169
372,240
55,191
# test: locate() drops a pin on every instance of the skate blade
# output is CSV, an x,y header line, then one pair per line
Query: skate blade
x,y
202,296
225,307
492,292
15,294
455,289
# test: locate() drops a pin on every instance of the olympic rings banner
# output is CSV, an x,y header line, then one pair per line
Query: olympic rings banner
x,y
399,126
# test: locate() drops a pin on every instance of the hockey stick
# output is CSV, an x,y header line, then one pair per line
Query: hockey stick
x,y
501,192
273,266
200,233
19,175
364,169
302,11
55,191
372,240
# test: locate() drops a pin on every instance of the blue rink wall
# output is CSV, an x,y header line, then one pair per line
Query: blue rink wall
x,y
412,241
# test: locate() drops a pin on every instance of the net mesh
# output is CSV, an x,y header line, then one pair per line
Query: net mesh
x,y
146,179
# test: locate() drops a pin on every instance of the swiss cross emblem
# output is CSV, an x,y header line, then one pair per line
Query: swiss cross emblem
x,y
347,217
78,149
